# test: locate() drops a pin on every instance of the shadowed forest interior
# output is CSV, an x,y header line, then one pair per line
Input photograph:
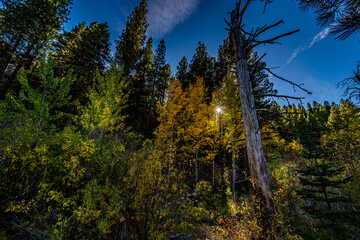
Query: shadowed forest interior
x,y
102,144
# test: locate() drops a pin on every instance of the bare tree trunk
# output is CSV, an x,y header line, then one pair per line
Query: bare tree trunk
x,y
234,169
256,157
119,231
196,168
213,168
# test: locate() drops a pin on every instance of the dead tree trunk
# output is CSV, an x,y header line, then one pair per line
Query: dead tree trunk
x,y
196,168
255,151
256,157
234,169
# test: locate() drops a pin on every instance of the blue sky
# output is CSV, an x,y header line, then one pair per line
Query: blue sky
x,y
309,56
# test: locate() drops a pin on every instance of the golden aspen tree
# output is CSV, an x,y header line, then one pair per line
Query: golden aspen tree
x,y
196,115
234,134
169,118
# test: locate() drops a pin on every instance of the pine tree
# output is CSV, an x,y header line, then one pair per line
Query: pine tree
x,y
202,66
85,51
341,15
183,72
352,85
26,29
129,46
130,54
260,83
162,72
322,189
225,61
145,94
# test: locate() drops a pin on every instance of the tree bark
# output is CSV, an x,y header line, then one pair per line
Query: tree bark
x,y
10,57
196,168
234,169
119,231
256,157
213,169
27,64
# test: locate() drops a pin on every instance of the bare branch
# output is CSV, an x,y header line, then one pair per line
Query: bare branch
x,y
288,81
260,58
226,21
278,96
263,42
244,8
273,158
266,27
239,140
272,40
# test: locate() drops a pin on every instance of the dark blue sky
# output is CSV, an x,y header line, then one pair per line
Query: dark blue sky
x,y
310,56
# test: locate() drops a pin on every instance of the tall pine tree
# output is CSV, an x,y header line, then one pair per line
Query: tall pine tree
x,y
202,66
182,73
85,50
130,55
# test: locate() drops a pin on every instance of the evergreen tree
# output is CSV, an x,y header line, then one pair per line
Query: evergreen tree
x,y
322,189
26,29
132,55
162,72
352,85
85,51
129,47
260,83
183,72
341,15
145,74
202,66
225,61
144,70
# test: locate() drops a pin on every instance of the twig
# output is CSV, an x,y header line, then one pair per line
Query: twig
x,y
268,160
288,81
278,96
272,40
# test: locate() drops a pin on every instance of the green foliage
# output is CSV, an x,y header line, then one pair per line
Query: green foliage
x,y
182,73
202,66
86,175
296,122
352,85
162,73
107,100
39,168
342,16
322,189
132,39
84,50
27,27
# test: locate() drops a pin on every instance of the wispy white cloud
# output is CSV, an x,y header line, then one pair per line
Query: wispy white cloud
x,y
317,38
164,15
320,36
